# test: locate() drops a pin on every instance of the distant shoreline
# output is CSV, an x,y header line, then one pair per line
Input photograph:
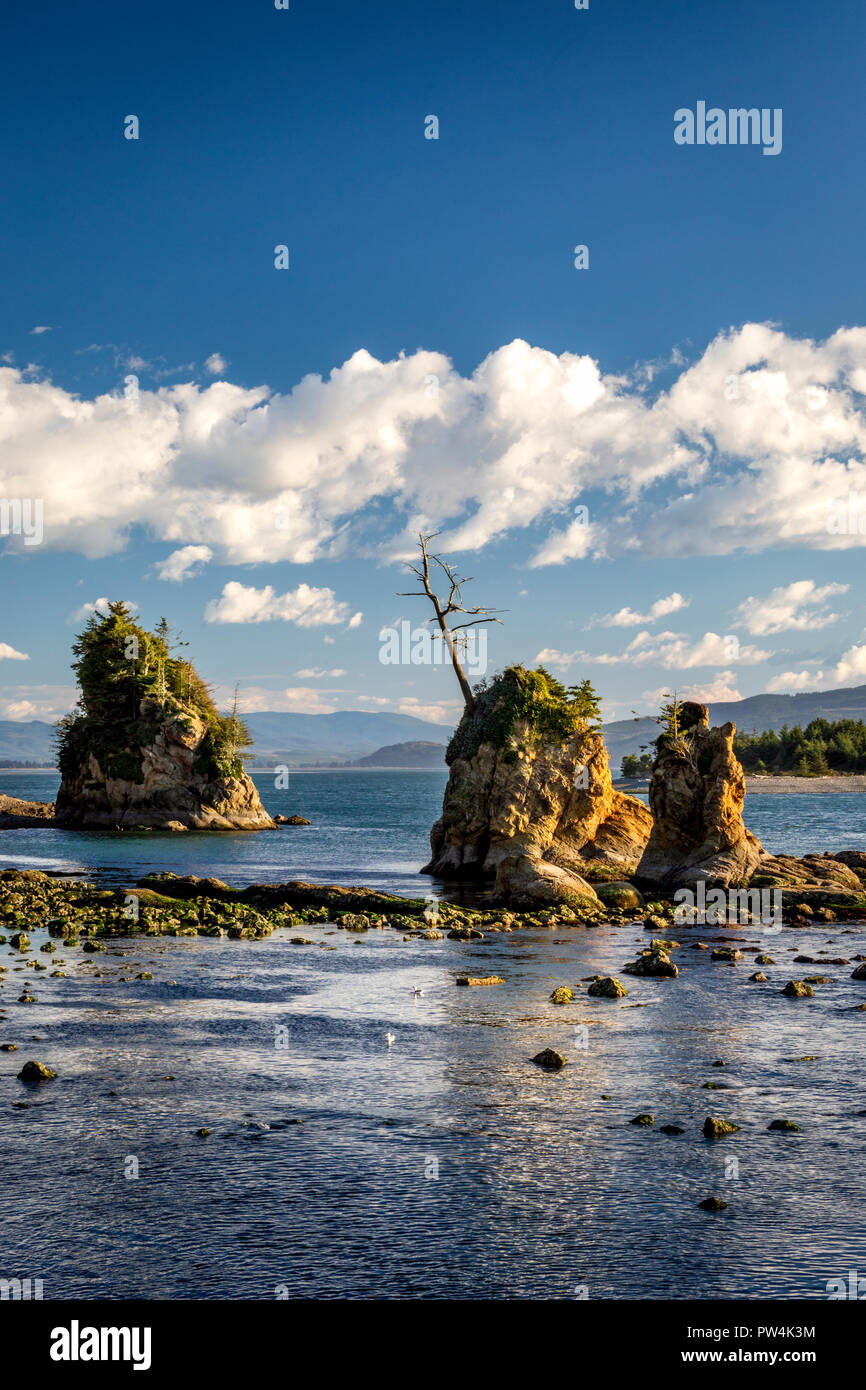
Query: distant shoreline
x,y
34,767
774,786
855,782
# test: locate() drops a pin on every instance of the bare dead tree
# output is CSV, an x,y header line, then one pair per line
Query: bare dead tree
x,y
444,608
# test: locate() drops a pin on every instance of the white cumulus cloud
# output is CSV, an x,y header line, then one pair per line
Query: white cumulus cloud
x,y
662,608
184,563
306,606
8,653
799,606
752,447
672,650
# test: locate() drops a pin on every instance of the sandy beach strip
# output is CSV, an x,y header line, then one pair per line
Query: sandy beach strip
x,y
774,785
810,785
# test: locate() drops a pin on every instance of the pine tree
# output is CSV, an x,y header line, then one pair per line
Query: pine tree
x,y
586,701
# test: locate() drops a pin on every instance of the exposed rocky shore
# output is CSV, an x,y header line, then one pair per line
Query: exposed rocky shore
x,y
167,904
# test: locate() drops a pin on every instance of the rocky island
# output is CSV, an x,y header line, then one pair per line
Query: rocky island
x,y
530,808
147,748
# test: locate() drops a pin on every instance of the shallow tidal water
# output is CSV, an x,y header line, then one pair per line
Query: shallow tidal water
x,y
444,1165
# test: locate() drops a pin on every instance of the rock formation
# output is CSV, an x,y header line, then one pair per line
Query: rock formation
x,y
529,807
696,798
147,748
16,814
173,788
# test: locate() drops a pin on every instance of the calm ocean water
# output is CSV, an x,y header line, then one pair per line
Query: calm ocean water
x,y
369,828
445,1165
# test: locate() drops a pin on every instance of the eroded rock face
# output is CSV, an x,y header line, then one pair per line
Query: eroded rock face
x,y
173,793
533,816
696,798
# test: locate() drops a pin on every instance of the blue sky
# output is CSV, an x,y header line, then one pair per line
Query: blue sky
x,y
709,455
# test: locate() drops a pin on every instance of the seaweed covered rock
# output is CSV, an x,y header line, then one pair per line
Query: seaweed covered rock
x,y
147,748
607,987
529,806
655,963
696,798
825,884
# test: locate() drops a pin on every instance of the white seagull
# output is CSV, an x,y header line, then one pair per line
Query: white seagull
x,y
390,1038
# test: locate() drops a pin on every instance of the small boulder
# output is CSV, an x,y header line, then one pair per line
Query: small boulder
x,y
562,995
783,1125
798,989
549,1060
36,1071
712,1204
645,1120
652,963
481,980
607,987
715,1128
619,897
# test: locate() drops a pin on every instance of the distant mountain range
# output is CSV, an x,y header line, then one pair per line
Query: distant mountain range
x,y
294,739
756,712
27,743
347,736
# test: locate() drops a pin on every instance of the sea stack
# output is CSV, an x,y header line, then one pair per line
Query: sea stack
x,y
696,796
147,748
529,807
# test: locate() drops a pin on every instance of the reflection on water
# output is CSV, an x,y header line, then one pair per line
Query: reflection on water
x,y
446,1164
